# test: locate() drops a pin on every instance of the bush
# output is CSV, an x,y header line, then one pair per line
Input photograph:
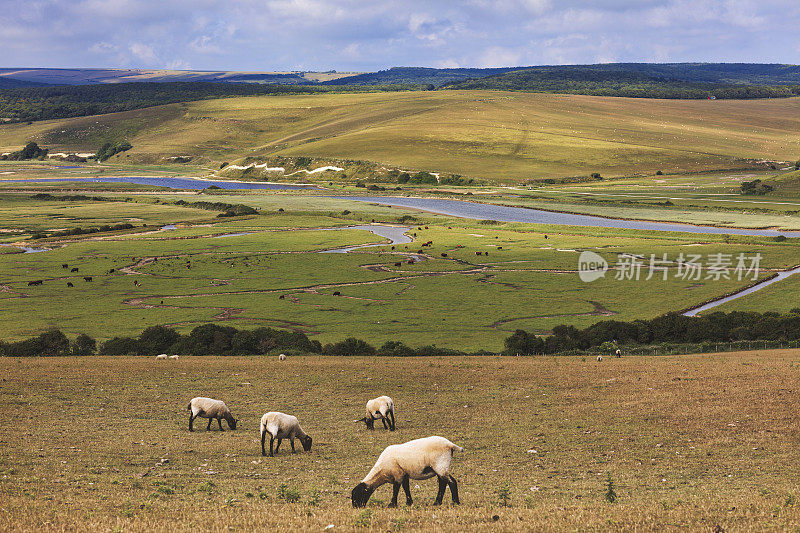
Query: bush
x,y
157,339
30,151
349,346
120,346
49,344
84,345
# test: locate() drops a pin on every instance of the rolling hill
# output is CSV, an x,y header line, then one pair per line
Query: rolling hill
x,y
503,137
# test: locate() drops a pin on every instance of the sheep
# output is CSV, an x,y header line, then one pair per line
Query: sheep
x,y
174,356
416,459
282,426
161,356
282,357
599,358
381,408
211,409
618,353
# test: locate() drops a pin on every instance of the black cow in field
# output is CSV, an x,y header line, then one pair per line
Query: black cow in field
x,y
499,247
478,253
282,297
64,265
399,263
69,284
111,271
444,254
87,278
410,261
74,269
35,282
337,293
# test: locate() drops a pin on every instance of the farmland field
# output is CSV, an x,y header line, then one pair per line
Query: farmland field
x,y
476,283
690,442
496,136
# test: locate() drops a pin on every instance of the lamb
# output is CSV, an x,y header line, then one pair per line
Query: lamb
x,y
282,426
416,459
381,408
161,356
211,409
282,357
173,356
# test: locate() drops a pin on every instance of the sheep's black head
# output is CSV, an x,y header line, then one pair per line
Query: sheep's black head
x,y
370,423
306,443
360,495
232,422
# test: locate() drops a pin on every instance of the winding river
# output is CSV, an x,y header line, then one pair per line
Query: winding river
x,y
172,183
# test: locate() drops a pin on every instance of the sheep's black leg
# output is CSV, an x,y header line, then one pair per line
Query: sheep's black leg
x,y
278,445
208,427
191,422
271,440
442,487
391,425
383,419
263,440
407,489
395,492
219,421
454,490
292,441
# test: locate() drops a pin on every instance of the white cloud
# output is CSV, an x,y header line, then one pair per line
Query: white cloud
x,y
143,52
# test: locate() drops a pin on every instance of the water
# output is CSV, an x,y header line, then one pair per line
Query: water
x,y
477,211
745,292
172,183
27,249
396,234
233,234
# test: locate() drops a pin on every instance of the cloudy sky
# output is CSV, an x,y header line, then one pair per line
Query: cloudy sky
x,y
359,35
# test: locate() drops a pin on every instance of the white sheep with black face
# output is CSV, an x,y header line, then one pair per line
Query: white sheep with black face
x,y
416,459
281,426
380,408
201,407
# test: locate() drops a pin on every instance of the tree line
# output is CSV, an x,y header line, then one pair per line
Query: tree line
x,y
63,101
213,339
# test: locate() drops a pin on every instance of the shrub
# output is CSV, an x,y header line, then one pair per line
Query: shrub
x,y
349,346
610,495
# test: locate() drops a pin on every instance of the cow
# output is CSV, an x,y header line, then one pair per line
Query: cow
x,y
64,265
399,263
444,254
478,253
74,269
35,282
69,284
87,278
337,293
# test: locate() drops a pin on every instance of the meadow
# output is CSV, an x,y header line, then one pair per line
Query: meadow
x,y
267,269
689,442
495,136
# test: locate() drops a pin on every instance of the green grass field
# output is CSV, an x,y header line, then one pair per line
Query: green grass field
x,y
457,300
690,442
496,136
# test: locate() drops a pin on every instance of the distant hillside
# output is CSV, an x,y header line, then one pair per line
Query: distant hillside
x,y
90,76
676,81
10,83
419,75
42,103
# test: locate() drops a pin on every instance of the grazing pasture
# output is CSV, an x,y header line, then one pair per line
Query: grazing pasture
x,y
690,442
267,270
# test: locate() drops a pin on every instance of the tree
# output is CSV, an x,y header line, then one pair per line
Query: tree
x,y
157,339
522,342
84,345
349,346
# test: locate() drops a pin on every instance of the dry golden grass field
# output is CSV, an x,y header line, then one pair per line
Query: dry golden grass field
x,y
690,442
492,135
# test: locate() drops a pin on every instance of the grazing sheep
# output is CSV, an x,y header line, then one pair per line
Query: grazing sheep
x,y
416,459
599,358
618,353
381,408
282,426
282,357
211,409
174,356
161,356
